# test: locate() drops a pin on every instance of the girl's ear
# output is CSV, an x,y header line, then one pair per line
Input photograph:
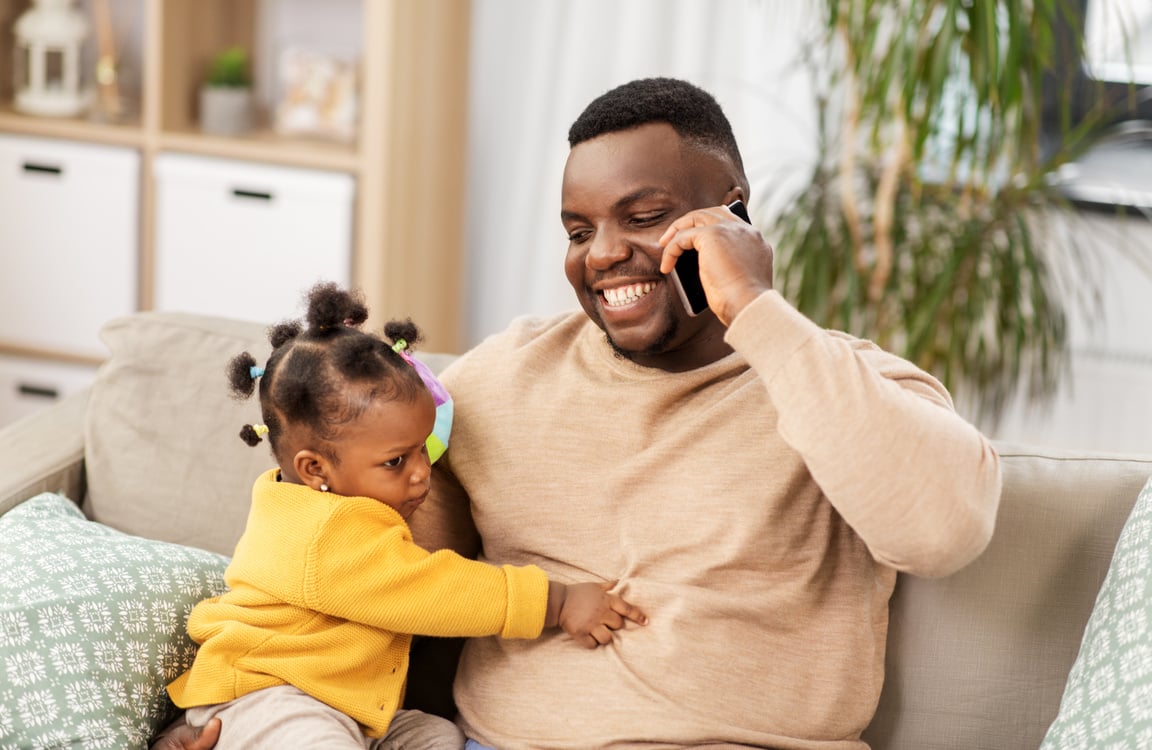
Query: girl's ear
x,y
311,467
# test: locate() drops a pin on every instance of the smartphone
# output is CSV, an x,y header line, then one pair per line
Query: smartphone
x,y
686,274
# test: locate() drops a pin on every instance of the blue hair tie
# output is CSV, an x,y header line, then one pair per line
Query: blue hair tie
x,y
255,371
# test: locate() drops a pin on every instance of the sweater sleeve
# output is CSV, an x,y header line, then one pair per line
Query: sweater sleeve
x,y
918,483
365,568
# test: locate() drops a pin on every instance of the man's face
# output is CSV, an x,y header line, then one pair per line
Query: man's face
x,y
620,192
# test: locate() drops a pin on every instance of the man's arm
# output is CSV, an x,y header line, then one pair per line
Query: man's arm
x,y
918,483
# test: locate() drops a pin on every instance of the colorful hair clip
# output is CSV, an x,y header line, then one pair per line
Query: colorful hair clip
x,y
256,372
399,346
261,430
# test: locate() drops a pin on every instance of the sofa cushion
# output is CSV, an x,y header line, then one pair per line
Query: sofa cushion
x,y
979,659
163,455
92,627
1108,699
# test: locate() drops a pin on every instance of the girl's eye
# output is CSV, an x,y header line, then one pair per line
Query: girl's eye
x,y
394,463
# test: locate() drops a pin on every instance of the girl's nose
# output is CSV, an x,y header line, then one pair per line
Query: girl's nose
x,y
421,469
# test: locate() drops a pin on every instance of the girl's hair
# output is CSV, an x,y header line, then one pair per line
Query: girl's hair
x,y
324,371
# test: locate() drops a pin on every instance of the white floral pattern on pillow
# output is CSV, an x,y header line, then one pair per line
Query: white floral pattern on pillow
x,y
92,627
1107,703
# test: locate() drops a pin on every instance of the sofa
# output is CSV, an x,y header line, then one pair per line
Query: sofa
x,y
150,453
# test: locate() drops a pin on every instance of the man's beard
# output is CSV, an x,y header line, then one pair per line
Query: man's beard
x,y
656,347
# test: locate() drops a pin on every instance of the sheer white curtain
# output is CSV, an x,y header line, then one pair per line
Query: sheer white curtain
x,y
536,63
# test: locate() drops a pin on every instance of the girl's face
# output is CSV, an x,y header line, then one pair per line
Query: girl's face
x,y
383,455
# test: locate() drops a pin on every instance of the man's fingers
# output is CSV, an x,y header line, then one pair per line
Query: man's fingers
x,y
698,218
208,736
181,736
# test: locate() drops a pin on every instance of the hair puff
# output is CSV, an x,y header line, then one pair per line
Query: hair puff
x,y
405,329
239,373
249,436
330,307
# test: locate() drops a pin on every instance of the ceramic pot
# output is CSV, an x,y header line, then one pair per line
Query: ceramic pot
x,y
225,110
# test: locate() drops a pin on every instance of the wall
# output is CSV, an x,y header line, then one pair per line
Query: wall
x,y
1106,401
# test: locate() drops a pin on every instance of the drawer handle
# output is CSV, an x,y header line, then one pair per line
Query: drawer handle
x,y
42,168
39,391
255,194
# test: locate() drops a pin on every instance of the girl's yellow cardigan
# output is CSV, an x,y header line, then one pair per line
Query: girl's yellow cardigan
x,y
325,594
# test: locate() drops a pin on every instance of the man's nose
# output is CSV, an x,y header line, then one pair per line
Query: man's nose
x,y
607,249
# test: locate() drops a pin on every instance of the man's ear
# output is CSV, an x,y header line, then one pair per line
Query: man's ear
x,y
736,193
311,468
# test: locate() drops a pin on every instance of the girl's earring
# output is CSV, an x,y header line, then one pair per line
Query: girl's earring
x,y
323,488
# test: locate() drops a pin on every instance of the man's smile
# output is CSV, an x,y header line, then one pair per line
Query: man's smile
x,y
627,294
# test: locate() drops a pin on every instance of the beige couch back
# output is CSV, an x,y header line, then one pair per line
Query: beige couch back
x,y
976,661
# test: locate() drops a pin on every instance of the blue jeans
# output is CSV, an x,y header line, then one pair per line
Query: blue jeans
x,y
474,745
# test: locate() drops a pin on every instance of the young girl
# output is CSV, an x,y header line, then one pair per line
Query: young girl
x,y
309,647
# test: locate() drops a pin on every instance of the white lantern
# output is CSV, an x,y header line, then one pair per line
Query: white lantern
x,y
49,36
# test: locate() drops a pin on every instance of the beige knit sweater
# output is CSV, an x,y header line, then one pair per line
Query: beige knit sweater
x,y
757,509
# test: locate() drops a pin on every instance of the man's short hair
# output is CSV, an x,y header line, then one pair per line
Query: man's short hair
x,y
692,112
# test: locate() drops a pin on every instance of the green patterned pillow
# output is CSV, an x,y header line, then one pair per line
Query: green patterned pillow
x,y
1107,703
91,627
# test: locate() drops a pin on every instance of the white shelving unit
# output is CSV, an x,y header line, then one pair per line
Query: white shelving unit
x,y
393,211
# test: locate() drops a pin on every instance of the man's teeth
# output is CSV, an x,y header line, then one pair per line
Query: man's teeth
x,y
626,295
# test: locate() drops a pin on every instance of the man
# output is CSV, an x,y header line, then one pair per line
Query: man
x,y
753,481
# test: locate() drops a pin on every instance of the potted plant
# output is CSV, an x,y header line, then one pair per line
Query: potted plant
x,y
226,96
931,222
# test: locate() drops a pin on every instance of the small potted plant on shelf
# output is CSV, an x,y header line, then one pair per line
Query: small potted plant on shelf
x,y
226,96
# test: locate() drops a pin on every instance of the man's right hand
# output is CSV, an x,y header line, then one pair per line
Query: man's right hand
x,y
180,736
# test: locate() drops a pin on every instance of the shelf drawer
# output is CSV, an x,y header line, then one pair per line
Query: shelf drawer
x,y
28,385
68,238
245,240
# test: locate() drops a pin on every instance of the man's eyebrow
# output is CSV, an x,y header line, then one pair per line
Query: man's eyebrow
x,y
639,195
622,202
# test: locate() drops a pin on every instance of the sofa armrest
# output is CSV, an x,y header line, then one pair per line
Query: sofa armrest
x,y
44,452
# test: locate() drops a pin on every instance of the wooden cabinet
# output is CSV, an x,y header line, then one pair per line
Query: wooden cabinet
x,y
406,164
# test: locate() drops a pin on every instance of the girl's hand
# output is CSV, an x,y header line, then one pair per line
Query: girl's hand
x,y
589,613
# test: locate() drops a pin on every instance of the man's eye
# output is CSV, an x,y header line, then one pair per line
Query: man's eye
x,y
578,236
646,220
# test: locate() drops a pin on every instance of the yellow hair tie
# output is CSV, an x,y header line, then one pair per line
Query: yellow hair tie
x,y
399,346
260,429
